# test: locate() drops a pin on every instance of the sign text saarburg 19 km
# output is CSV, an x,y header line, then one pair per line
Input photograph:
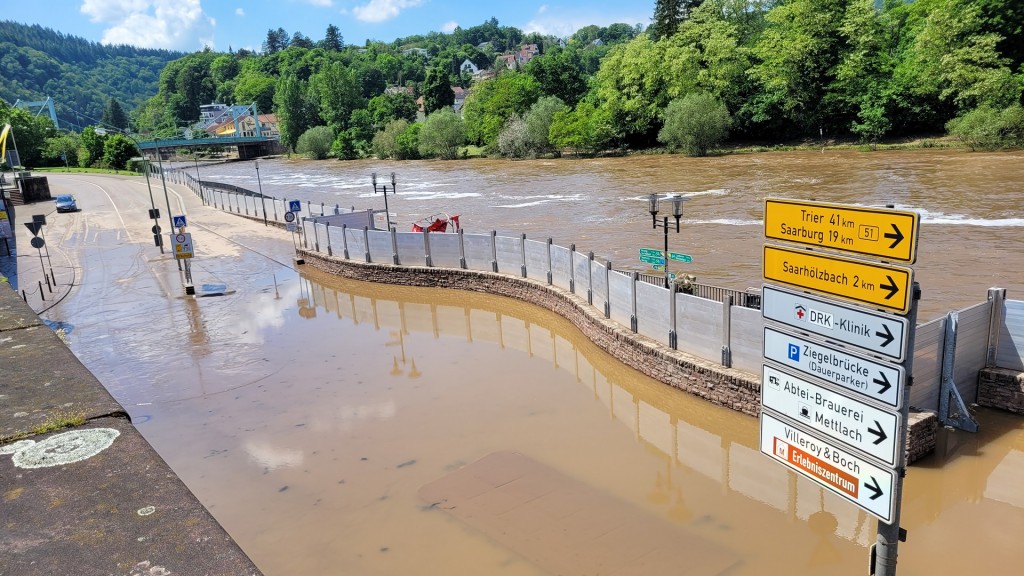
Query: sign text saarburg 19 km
x,y
886,234
878,285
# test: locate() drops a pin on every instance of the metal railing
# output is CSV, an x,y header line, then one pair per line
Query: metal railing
x,y
746,299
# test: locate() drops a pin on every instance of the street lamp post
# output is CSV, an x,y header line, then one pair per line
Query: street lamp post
x,y
677,213
263,201
152,214
384,188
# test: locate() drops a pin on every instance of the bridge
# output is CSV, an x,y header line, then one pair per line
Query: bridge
x,y
248,146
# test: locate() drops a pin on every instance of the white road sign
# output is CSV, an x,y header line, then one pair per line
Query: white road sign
x,y
182,244
858,425
850,476
875,332
870,378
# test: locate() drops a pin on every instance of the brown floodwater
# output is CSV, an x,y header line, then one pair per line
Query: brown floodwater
x,y
340,427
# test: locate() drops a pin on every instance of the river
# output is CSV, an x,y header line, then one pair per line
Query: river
x,y
971,231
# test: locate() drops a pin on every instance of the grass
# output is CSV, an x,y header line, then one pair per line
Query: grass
x,y
56,420
76,169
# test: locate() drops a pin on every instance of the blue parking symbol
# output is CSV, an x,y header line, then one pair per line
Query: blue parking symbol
x,y
794,352
179,221
294,205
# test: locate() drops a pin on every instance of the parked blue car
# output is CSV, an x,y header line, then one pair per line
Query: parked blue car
x,y
66,203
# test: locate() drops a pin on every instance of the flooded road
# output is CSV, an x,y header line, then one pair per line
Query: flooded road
x,y
335,426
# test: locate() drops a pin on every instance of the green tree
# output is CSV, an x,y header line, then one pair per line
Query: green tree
x,y
385,142
30,132
92,147
337,92
514,139
332,42
538,123
388,107
407,144
442,134
254,88
224,68
559,73
491,103
697,123
667,16
114,115
276,41
63,148
987,128
117,151
632,84
585,130
437,89
316,142
296,110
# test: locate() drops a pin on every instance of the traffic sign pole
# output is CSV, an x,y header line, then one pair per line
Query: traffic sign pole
x,y
884,551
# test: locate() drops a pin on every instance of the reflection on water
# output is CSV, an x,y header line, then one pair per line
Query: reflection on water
x,y
371,392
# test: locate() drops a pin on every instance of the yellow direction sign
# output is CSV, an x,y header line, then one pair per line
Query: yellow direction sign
x,y
885,234
878,285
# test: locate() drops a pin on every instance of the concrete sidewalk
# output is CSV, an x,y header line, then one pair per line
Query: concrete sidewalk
x,y
83,492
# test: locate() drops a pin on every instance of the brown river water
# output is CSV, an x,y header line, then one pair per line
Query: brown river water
x,y
340,427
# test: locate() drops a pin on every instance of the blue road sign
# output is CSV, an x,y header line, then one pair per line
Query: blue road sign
x,y
179,221
294,205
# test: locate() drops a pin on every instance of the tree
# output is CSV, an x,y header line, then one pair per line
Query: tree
x,y
560,74
514,140
986,128
437,89
255,88
92,147
296,111
697,123
114,115
491,103
30,131
63,147
407,144
442,134
337,92
117,151
224,68
316,142
301,40
276,41
388,107
667,16
538,123
631,84
385,142
332,42
585,129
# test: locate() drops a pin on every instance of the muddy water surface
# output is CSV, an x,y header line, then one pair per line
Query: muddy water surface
x,y
325,422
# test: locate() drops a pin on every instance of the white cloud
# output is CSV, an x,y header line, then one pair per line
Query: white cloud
x,y
171,24
543,8
381,10
449,27
320,3
239,12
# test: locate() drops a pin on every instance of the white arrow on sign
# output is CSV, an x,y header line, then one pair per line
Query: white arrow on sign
x,y
858,425
870,378
850,476
875,332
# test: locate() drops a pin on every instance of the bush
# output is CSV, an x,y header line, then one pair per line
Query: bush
x,y
514,139
385,142
697,124
986,128
442,134
315,142
538,123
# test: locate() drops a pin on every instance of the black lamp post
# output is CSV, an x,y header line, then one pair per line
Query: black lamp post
x,y
263,201
384,188
677,213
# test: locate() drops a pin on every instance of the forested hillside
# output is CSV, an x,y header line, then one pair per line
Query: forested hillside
x,y
81,76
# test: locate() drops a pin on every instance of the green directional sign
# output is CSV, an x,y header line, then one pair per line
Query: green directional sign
x,y
678,257
658,266
651,253
652,259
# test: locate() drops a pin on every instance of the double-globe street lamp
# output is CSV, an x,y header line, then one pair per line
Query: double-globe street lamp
x,y
384,188
677,213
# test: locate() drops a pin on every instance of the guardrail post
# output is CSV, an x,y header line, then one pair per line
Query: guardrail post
x,y
462,250
321,208
522,252
366,242
426,249
494,251
996,317
633,324
727,331
607,289
245,199
344,240
394,246
550,276
316,238
673,340
590,279
572,268
274,203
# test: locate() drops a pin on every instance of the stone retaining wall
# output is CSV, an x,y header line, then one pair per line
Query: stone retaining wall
x,y
1001,388
709,380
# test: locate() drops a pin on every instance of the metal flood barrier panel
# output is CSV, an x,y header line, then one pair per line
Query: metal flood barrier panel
x,y
1010,348
699,326
652,309
746,338
928,364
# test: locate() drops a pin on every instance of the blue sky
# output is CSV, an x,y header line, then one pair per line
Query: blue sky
x,y
191,24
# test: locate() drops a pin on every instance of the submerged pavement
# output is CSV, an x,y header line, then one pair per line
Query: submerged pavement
x,y
82,491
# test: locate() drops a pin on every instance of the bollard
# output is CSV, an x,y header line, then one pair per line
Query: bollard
x,y
41,295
